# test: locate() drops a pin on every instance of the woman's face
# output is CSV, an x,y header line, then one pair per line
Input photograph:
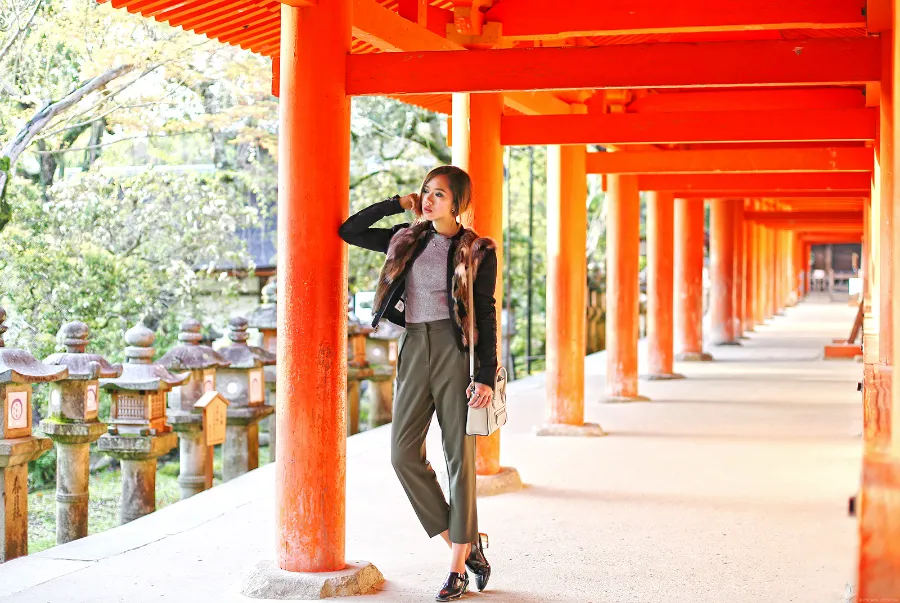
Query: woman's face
x,y
437,200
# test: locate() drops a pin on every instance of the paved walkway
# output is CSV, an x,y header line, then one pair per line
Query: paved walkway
x,y
730,486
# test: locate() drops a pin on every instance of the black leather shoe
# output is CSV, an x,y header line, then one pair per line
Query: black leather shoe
x,y
477,562
454,588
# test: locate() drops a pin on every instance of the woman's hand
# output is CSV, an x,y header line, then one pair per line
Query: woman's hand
x,y
408,202
481,396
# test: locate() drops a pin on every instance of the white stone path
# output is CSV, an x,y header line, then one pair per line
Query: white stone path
x,y
728,487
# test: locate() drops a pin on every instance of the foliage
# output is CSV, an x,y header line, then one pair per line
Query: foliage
x,y
112,251
202,102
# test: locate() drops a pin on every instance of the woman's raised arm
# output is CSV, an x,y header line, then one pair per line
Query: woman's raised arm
x,y
357,230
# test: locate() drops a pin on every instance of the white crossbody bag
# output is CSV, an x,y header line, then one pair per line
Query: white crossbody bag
x,y
487,420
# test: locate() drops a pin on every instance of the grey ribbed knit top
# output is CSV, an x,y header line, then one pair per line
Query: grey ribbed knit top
x,y
426,284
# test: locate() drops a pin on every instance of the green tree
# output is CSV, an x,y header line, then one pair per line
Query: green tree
x,y
113,251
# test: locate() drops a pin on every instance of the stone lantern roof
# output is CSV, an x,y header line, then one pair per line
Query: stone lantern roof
x,y
265,316
18,366
140,373
82,366
241,355
191,355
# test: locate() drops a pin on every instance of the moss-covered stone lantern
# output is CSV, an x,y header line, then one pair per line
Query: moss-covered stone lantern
x,y
74,424
138,431
201,362
358,370
19,370
265,319
243,384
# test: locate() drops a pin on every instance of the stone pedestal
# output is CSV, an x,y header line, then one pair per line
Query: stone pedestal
x,y
240,452
15,454
191,451
507,480
663,377
138,454
381,396
621,399
268,581
73,466
589,430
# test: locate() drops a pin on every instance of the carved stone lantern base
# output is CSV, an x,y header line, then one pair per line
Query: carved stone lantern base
x,y
15,455
191,451
73,467
240,452
138,456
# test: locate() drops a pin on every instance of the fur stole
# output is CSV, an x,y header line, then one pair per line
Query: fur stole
x,y
400,251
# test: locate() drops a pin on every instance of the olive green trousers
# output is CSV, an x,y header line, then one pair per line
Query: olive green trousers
x,y
432,375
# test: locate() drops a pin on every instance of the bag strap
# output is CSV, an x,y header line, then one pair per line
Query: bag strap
x,y
471,313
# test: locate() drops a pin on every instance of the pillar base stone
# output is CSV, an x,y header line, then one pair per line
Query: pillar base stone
x,y
268,581
622,399
694,357
727,343
663,377
507,480
588,430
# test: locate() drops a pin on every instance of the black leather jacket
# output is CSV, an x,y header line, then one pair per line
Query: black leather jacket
x,y
357,230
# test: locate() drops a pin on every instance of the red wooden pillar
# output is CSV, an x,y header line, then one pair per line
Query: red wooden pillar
x,y
887,162
622,289
750,241
486,171
778,271
689,237
762,274
660,286
795,268
739,261
865,260
770,272
566,291
313,201
879,514
721,273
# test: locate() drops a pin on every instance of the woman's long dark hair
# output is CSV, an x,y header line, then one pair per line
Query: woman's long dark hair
x,y
460,188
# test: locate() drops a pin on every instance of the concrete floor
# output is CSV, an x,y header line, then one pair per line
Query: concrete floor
x,y
730,486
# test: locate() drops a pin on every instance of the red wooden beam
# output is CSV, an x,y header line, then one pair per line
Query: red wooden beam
x,y
819,237
749,100
783,194
759,182
824,61
807,217
669,128
530,19
878,15
823,159
392,32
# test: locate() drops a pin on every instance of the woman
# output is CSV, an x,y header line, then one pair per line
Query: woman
x,y
424,287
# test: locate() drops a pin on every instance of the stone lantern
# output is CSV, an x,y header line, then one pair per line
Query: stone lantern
x,y
358,370
265,319
138,432
73,424
187,420
381,352
244,385
18,371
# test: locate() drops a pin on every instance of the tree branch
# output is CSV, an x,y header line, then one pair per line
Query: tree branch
x,y
10,153
15,36
362,179
106,144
